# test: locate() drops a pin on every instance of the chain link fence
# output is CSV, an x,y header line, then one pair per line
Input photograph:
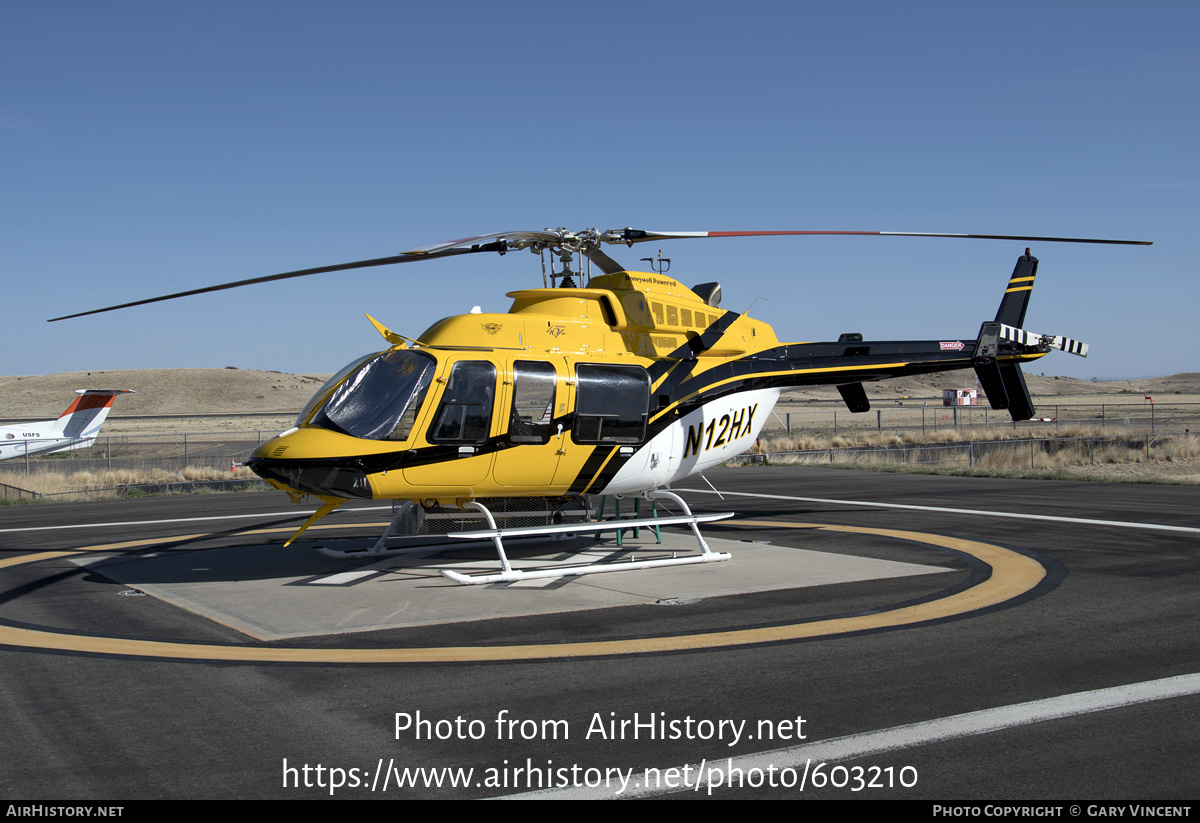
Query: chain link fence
x,y
168,452
830,418
1044,453
1103,424
134,464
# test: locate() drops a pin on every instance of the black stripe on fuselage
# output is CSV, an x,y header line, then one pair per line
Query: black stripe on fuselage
x,y
585,480
683,360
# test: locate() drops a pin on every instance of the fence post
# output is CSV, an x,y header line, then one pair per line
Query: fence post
x,y
879,420
971,453
108,449
185,450
835,421
787,423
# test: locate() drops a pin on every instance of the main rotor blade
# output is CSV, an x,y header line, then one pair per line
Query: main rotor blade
x,y
511,239
585,242
403,257
641,236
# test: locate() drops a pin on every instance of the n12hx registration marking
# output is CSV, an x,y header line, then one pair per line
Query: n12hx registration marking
x,y
729,428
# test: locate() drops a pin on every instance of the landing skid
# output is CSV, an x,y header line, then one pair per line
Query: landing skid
x,y
409,517
508,574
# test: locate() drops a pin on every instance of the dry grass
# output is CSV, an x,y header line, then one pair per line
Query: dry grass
x,y
89,485
1166,458
875,439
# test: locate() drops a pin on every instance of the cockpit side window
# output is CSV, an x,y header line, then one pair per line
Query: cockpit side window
x,y
380,401
465,415
534,384
612,404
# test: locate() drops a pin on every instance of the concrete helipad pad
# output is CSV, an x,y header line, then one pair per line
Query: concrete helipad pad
x,y
271,593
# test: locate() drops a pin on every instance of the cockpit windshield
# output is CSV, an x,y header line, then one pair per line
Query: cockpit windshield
x,y
322,393
380,400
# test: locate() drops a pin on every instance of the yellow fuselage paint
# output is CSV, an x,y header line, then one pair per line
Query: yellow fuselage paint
x,y
612,321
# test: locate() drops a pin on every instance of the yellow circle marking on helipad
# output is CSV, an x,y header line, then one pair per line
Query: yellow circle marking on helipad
x,y
1013,574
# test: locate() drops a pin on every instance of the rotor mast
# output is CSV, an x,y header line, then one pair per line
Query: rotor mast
x,y
567,244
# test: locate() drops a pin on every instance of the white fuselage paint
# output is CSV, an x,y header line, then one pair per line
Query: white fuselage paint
x,y
699,440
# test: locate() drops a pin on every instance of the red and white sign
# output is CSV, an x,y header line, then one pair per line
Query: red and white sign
x,y
951,346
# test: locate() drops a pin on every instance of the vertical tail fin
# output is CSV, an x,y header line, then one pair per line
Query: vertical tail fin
x,y
1004,383
1016,296
86,414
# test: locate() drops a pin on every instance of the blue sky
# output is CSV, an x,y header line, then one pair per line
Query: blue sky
x,y
154,147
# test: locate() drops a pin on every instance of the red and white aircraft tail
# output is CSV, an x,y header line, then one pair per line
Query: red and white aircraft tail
x,y
75,428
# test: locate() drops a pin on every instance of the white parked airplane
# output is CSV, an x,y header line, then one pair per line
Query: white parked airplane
x,y
76,428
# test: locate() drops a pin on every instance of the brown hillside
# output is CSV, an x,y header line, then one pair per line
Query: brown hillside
x,y
162,391
225,391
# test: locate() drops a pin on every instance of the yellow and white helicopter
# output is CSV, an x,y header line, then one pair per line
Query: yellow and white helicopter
x,y
605,381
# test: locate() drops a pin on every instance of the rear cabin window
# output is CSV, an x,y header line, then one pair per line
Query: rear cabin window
x,y
612,404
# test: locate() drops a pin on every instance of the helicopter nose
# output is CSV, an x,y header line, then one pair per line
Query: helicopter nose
x,y
308,467
313,478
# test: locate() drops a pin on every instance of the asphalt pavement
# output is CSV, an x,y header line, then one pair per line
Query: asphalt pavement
x,y
1043,644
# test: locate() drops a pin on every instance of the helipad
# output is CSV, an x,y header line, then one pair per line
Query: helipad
x,y
272,593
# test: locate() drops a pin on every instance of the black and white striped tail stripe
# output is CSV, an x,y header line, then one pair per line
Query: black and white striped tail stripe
x,y
1054,341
